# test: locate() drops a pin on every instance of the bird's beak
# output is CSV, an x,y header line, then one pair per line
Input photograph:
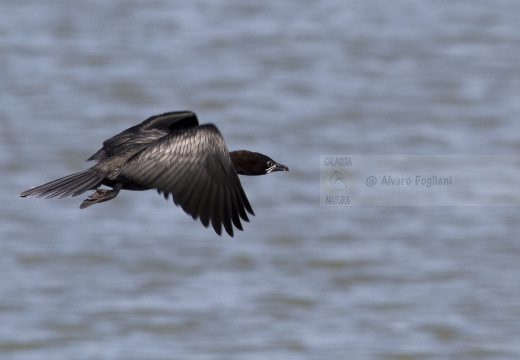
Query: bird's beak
x,y
277,167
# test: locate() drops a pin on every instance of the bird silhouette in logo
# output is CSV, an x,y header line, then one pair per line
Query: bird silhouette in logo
x,y
337,181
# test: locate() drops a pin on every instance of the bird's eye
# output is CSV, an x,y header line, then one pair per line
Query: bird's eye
x,y
270,163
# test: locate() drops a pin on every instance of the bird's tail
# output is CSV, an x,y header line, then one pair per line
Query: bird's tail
x,y
74,184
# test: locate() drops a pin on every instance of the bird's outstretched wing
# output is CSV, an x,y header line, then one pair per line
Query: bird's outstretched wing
x,y
169,122
193,165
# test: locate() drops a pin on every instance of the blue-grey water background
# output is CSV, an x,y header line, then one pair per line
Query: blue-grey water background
x,y
136,278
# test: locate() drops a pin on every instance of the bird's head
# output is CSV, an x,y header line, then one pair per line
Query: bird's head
x,y
253,163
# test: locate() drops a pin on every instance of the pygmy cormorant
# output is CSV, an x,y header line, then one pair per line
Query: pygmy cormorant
x,y
175,155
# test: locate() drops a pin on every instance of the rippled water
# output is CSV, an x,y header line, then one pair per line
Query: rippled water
x,y
136,278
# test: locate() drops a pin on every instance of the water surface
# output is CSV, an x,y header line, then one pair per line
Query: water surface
x,y
136,278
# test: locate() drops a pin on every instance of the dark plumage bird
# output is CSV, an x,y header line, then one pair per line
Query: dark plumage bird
x,y
175,155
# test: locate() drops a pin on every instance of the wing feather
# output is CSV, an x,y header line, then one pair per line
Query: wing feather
x,y
166,122
193,165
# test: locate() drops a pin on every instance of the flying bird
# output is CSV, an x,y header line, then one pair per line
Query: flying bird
x,y
175,155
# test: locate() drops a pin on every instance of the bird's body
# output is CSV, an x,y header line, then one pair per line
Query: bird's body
x,y
175,155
